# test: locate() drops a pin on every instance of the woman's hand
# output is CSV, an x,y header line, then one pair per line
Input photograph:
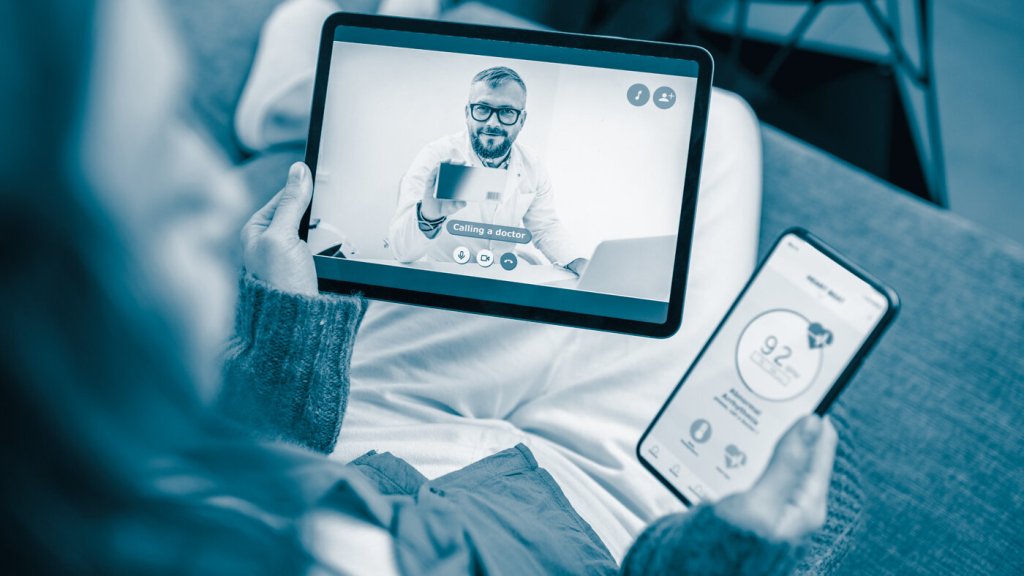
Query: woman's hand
x,y
272,249
790,500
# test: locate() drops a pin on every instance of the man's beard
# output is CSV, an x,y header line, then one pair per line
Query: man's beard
x,y
495,152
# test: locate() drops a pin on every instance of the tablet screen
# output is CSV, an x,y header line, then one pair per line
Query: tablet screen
x,y
514,173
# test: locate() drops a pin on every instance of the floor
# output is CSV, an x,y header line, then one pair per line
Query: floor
x,y
979,66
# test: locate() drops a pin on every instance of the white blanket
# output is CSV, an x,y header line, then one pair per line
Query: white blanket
x,y
443,389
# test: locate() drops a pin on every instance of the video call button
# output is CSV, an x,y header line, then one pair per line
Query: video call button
x,y
509,261
485,258
638,94
461,255
664,97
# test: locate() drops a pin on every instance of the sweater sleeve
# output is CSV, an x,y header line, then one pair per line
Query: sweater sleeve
x,y
286,370
700,542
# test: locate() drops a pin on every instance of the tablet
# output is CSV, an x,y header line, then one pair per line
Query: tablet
x,y
533,175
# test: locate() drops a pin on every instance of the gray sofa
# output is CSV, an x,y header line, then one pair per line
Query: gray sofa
x,y
936,410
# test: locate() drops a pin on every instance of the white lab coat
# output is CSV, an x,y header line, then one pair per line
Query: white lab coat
x,y
528,202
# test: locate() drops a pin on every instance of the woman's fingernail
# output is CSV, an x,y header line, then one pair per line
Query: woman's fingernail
x,y
295,174
811,429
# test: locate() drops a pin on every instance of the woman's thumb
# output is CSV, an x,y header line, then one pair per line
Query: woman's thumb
x,y
294,198
791,462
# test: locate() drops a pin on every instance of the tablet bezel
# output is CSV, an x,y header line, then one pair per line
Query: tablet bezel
x,y
698,130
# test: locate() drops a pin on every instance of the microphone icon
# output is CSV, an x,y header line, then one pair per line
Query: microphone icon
x,y
461,255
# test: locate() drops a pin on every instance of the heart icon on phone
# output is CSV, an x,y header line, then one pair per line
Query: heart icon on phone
x,y
734,457
818,336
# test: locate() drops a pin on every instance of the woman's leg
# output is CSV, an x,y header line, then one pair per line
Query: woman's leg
x,y
274,107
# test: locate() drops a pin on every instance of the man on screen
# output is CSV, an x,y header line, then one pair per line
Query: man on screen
x,y
495,114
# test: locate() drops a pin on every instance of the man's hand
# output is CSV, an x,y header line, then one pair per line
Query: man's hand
x,y
431,208
578,266
790,499
273,251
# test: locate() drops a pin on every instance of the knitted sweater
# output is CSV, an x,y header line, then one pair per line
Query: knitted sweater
x,y
287,378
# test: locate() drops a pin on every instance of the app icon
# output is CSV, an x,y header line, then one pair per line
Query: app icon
x,y
509,261
462,255
698,489
700,431
664,97
638,94
485,258
734,457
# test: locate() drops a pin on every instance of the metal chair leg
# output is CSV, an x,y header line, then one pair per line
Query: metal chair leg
x,y
795,37
939,192
742,13
925,78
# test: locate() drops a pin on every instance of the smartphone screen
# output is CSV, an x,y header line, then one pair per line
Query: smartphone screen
x,y
790,342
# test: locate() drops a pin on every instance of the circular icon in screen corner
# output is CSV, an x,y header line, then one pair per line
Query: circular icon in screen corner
x,y
664,97
638,94
779,354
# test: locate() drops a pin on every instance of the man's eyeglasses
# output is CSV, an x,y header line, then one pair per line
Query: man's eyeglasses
x,y
483,112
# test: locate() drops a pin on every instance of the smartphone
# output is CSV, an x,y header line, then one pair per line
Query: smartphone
x,y
470,183
794,337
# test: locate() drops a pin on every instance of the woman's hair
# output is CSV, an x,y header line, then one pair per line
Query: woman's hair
x,y
110,462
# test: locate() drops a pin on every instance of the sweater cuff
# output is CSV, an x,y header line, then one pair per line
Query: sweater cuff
x,y
287,368
702,542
